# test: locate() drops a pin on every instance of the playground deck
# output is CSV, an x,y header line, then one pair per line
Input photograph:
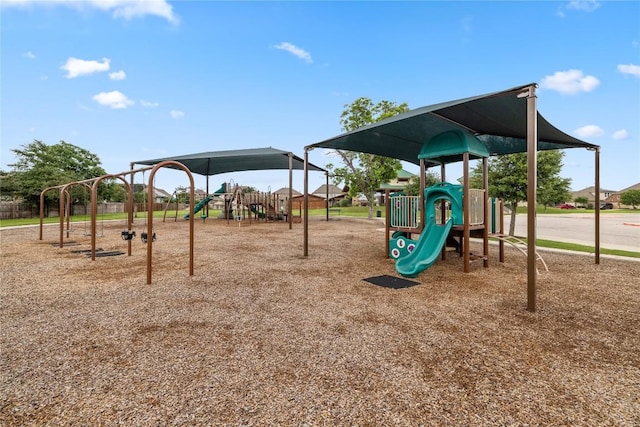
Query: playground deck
x,y
261,336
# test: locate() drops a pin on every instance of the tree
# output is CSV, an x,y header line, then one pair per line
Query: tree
x,y
9,185
114,191
631,198
581,200
39,166
413,189
508,180
364,173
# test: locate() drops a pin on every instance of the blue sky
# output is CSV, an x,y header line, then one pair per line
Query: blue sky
x,y
133,79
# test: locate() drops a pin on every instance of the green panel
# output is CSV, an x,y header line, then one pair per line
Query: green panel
x,y
452,144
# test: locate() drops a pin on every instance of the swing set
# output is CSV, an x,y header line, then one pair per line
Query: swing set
x,y
147,236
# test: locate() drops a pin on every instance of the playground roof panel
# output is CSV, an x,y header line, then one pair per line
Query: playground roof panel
x,y
216,162
498,119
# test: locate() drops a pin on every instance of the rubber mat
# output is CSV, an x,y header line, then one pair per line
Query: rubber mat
x,y
391,282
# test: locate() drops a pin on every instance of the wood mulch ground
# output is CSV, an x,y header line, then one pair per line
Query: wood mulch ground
x,y
262,336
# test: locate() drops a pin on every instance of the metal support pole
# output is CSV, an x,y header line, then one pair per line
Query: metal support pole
x,y
150,215
130,198
61,206
597,237
290,203
423,184
306,203
485,187
466,206
327,195
387,220
443,212
532,178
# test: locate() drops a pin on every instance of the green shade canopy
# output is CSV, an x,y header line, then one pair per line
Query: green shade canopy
x,y
216,162
497,119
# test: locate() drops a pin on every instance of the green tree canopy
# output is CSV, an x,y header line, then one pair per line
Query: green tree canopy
x,y
581,200
413,188
631,198
364,173
39,166
508,180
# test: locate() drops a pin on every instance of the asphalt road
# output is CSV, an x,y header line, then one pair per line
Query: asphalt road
x,y
617,231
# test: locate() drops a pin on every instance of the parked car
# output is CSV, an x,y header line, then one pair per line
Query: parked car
x,y
606,206
565,206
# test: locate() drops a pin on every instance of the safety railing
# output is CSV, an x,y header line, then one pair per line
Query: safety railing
x,y
476,206
405,212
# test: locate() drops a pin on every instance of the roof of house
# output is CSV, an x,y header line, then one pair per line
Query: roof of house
x,y
404,174
285,191
159,192
589,192
633,187
334,191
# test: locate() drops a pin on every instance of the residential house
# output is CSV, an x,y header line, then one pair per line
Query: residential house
x,y
335,194
398,184
315,202
590,194
615,197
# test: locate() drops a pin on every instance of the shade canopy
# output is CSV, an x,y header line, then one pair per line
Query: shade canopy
x,y
497,119
216,162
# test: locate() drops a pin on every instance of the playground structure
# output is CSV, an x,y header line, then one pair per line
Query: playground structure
x,y
503,122
242,206
463,212
467,215
444,226
202,163
254,205
218,162
147,235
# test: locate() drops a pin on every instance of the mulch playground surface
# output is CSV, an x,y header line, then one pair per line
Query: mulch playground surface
x,y
261,335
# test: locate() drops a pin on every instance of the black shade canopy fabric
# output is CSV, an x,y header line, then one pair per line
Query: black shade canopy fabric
x,y
216,162
498,119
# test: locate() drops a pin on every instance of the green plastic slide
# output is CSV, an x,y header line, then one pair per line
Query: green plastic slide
x,y
200,205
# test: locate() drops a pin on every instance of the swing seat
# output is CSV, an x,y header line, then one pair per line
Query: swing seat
x,y
128,235
144,236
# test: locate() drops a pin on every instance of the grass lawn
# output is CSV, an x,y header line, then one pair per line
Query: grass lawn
x,y
351,211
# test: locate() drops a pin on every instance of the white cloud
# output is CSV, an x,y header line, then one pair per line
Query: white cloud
x,y
570,82
118,75
583,5
79,67
620,134
124,9
589,131
629,69
29,55
293,49
175,114
116,100
148,104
